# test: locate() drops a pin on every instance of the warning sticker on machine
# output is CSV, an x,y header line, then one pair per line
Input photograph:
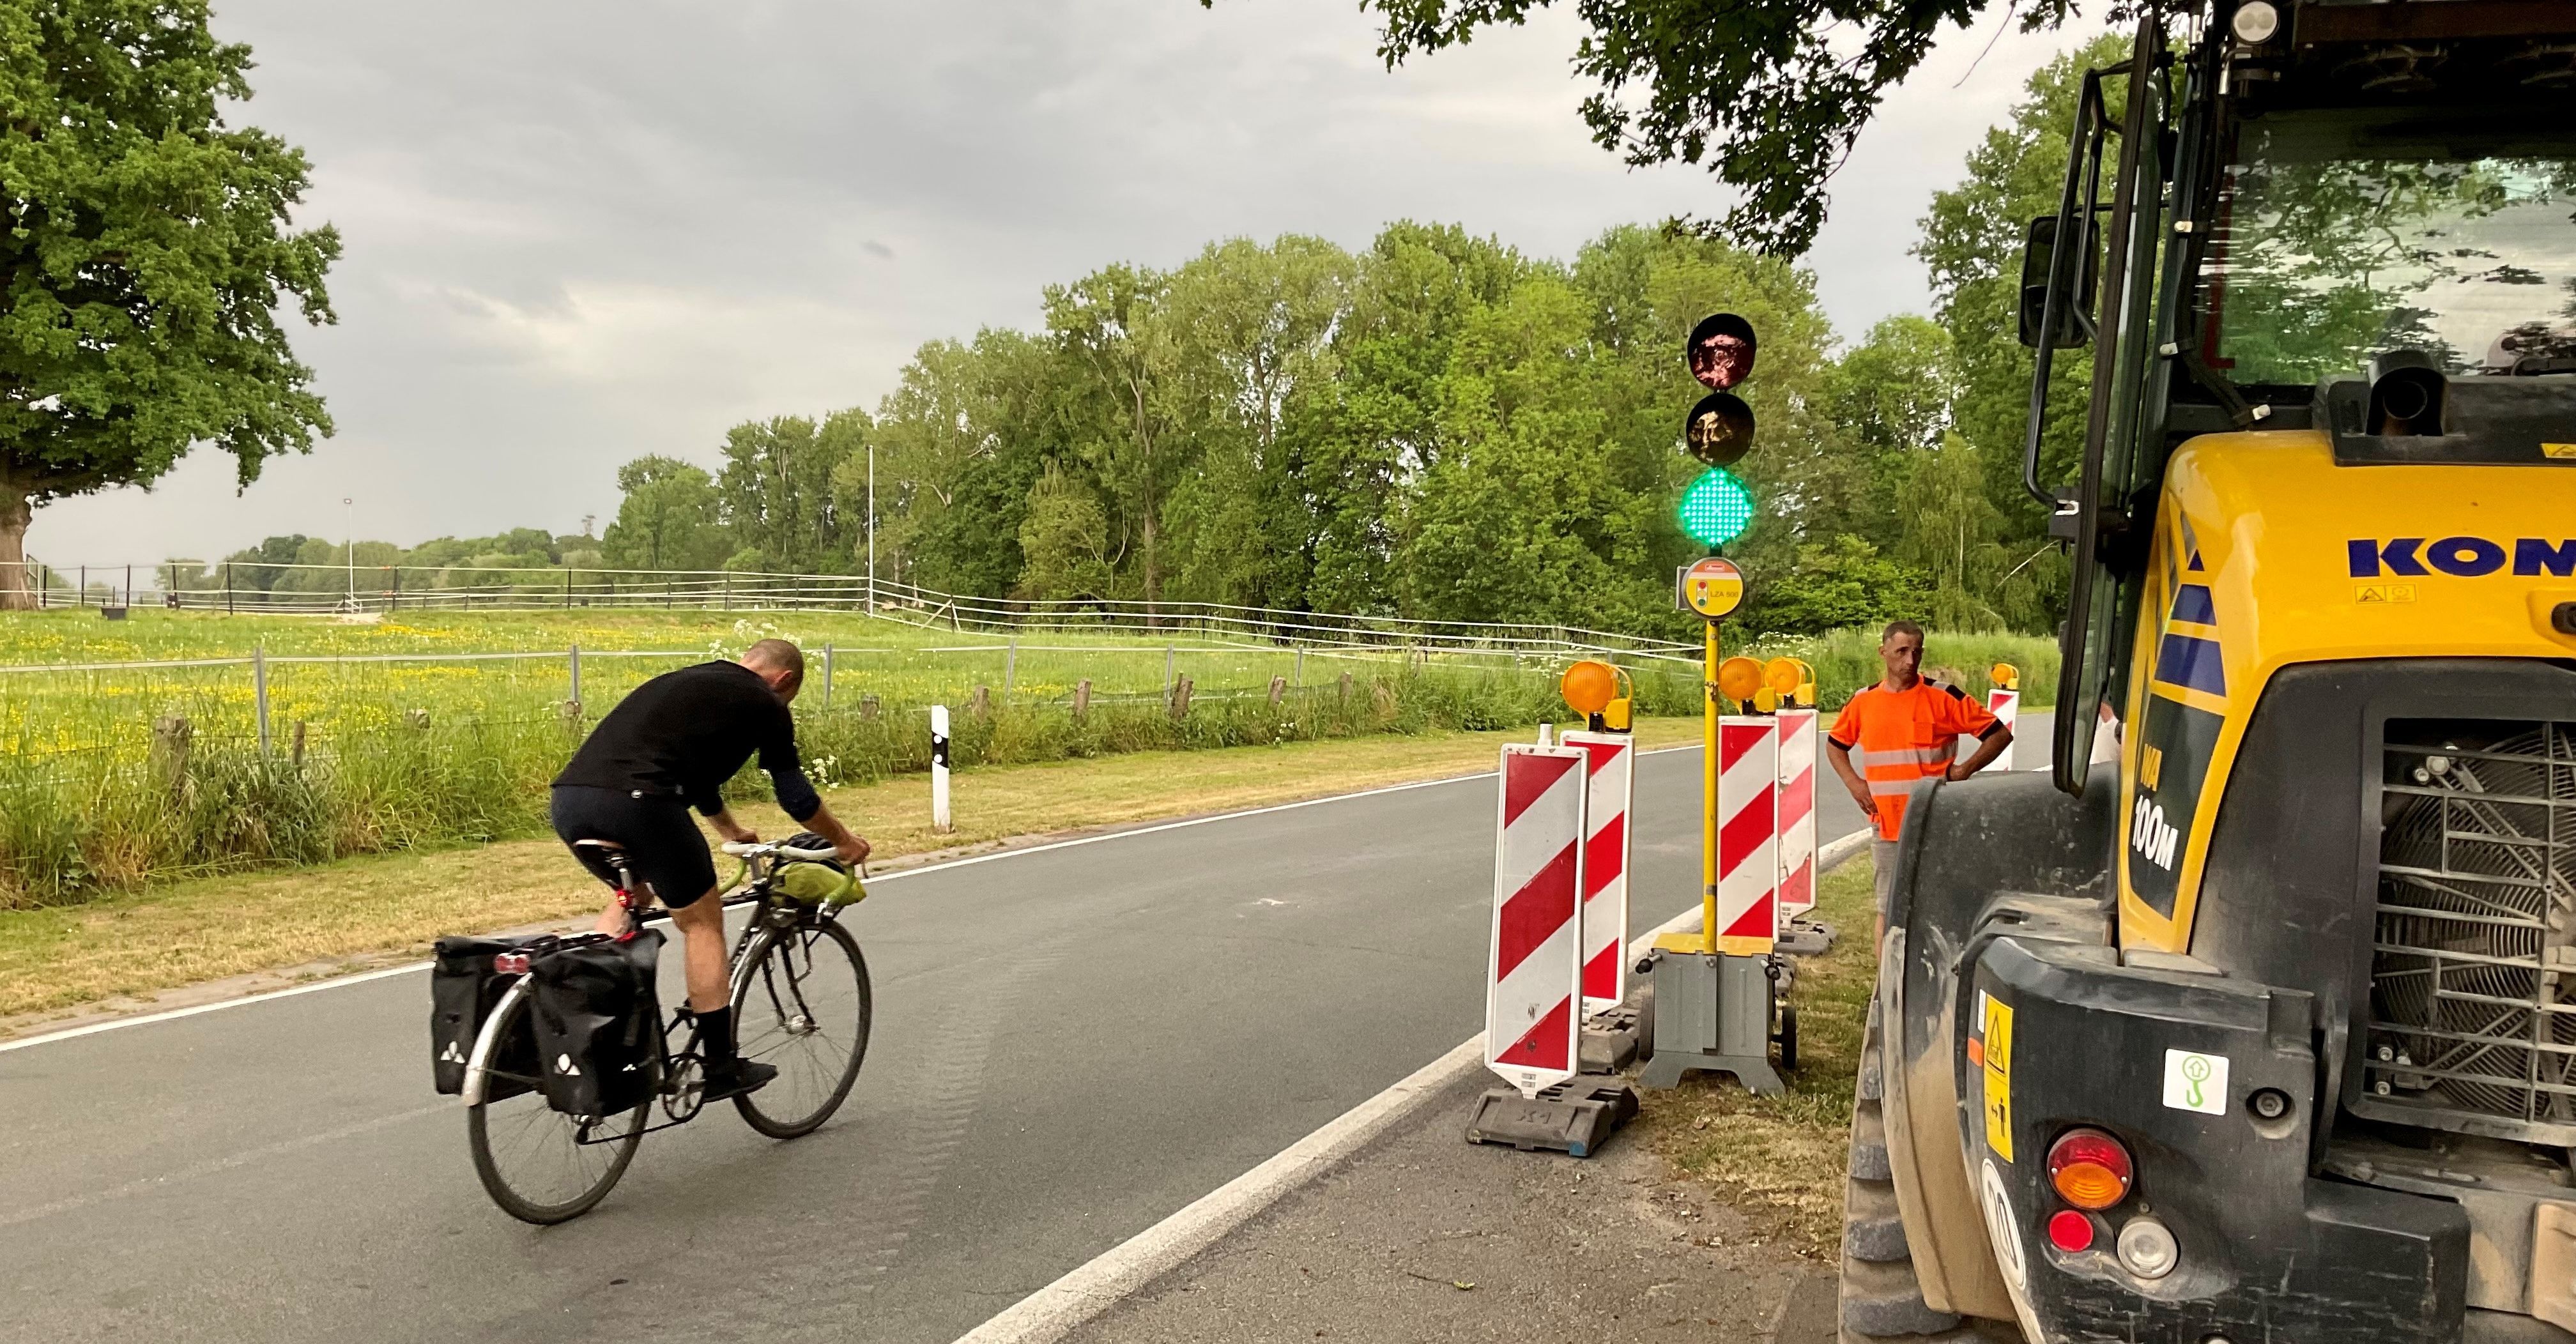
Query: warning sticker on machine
x,y
2196,1082
1998,1017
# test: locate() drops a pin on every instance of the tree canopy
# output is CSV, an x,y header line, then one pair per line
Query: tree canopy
x,y
150,246
1768,95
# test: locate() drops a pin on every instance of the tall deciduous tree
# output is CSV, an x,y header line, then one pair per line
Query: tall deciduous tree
x,y
1111,323
669,518
149,246
1251,330
776,491
1972,243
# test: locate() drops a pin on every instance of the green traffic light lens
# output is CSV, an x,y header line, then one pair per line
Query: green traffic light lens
x,y
1716,508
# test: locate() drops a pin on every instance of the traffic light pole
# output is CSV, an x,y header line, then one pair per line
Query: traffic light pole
x,y
1708,796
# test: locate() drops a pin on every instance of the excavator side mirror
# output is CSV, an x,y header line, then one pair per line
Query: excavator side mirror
x,y
2074,318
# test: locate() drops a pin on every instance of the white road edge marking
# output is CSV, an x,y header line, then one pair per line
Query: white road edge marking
x,y
408,968
1052,1312
1056,1310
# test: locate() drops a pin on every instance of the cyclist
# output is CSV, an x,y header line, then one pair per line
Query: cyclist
x,y
671,745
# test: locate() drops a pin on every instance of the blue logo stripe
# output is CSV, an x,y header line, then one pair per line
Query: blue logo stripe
x,y
2185,661
2192,603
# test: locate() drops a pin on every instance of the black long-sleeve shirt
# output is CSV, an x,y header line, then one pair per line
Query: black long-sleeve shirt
x,y
684,733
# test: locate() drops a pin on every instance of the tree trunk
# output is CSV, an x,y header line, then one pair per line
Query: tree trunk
x,y
17,590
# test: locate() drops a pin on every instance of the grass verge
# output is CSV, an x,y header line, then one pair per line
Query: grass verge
x,y
1780,1160
356,909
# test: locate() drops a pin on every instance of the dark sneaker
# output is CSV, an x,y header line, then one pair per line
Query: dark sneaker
x,y
746,1076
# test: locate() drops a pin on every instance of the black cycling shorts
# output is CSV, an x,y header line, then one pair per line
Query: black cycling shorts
x,y
664,848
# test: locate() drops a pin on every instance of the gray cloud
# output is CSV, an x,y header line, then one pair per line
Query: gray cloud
x,y
580,231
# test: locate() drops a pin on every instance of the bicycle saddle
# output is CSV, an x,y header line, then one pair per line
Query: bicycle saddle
x,y
609,845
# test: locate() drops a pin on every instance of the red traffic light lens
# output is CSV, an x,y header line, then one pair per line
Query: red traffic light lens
x,y
2090,1169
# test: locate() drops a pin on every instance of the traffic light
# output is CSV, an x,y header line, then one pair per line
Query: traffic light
x,y
1717,508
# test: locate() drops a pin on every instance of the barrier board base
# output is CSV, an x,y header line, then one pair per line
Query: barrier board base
x,y
1713,1014
1574,1118
1807,938
1611,1039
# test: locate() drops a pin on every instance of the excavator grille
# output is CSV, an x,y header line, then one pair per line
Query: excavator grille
x,y
2473,968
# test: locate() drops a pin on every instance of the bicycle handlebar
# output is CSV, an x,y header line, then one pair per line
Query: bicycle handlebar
x,y
775,849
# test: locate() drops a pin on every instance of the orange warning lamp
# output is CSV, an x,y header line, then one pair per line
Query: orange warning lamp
x,y
1589,686
1591,689
1783,675
2005,675
1739,679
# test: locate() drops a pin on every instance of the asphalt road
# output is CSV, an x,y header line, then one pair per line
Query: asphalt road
x,y
1070,1044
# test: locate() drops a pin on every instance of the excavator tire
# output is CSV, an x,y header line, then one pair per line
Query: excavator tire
x,y
1881,1300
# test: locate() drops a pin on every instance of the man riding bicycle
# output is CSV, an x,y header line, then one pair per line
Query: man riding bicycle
x,y
671,745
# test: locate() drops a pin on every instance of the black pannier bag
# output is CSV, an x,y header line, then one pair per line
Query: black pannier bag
x,y
598,1028
463,991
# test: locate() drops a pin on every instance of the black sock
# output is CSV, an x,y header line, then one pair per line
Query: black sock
x,y
715,1037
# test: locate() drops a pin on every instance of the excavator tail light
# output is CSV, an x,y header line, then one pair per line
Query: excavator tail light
x,y
2089,1168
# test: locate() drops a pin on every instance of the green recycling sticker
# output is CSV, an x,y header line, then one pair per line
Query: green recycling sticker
x,y
2196,1082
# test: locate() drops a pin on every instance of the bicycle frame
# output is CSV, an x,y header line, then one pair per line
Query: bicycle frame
x,y
487,1041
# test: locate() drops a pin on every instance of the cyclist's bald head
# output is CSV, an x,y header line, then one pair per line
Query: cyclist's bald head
x,y
781,664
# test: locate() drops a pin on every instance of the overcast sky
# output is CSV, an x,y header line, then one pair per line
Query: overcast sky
x,y
579,231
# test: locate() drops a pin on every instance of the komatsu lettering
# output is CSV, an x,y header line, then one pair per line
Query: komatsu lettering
x,y
2461,557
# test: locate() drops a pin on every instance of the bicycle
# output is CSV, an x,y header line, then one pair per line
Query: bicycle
x,y
801,1000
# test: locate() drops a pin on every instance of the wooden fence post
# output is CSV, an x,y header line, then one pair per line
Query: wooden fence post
x,y
1278,690
1082,697
982,704
171,737
1180,700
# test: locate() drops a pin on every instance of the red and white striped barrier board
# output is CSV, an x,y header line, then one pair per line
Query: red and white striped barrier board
x,y
2006,706
1612,764
1531,1022
1797,811
1748,831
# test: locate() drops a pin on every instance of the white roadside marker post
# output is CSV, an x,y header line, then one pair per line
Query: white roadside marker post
x,y
939,818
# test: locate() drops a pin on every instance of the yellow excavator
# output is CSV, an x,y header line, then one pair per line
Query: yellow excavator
x,y
2262,1025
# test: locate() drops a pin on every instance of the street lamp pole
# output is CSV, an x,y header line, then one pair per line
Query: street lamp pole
x,y
349,524
872,529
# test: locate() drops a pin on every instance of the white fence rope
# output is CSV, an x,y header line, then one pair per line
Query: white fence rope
x,y
384,589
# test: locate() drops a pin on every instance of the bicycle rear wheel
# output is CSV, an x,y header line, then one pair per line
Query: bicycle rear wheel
x,y
539,1164
805,1006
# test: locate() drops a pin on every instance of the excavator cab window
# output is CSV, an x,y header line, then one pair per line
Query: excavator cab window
x,y
2345,236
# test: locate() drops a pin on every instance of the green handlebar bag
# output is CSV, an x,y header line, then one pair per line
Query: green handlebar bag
x,y
814,882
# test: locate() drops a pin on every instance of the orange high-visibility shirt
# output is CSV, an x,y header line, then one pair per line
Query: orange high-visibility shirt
x,y
1898,737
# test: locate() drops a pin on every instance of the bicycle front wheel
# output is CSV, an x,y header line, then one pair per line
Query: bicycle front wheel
x,y
539,1164
803,1005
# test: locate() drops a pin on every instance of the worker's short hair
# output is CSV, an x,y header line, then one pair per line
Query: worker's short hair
x,y
1894,628
778,655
